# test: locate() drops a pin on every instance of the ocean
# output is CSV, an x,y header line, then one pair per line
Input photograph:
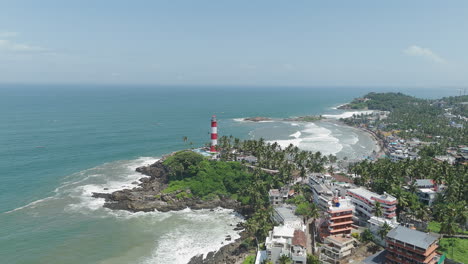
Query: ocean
x,y
60,143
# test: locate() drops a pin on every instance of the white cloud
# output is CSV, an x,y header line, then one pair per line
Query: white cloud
x,y
426,53
8,34
8,45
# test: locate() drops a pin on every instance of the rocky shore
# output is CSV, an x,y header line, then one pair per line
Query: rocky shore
x,y
148,196
233,253
257,119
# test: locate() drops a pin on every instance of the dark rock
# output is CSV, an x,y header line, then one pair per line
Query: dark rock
x,y
231,253
257,119
148,197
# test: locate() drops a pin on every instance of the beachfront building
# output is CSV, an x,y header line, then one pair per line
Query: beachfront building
x,y
338,219
336,248
408,246
284,240
364,201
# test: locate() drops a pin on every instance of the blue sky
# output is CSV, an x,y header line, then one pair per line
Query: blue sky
x,y
304,43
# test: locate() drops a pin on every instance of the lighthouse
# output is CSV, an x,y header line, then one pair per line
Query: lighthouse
x,y
214,134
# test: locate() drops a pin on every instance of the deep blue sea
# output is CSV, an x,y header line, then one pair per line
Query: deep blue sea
x,y
59,143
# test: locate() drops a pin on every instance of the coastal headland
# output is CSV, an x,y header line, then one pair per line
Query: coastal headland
x,y
149,195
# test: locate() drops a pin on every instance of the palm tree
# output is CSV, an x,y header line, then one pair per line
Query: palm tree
x,y
378,209
284,259
384,229
314,214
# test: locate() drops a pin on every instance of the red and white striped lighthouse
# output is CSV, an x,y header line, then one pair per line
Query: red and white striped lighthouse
x,y
214,134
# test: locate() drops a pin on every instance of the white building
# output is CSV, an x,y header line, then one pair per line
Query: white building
x,y
278,197
364,202
426,196
336,248
283,240
323,189
284,215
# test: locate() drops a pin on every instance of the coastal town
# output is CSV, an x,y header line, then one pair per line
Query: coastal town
x,y
347,217
406,204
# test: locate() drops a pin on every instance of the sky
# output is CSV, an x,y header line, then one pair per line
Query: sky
x,y
252,42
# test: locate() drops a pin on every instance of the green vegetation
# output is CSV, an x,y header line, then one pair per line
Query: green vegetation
x,y
383,101
204,177
434,226
417,118
284,260
455,248
250,259
310,118
386,176
366,236
312,259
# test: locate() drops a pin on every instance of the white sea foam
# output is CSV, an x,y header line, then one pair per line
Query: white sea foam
x,y
239,119
115,176
296,135
183,242
338,106
348,114
313,138
294,124
31,204
106,178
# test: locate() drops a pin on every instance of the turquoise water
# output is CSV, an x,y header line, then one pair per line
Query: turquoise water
x,y
60,143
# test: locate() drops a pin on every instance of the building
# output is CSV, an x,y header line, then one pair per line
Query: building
x,y
250,159
324,189
364,202
427,190
426,196
336,248
283,240
275,197
284,215
278,197
407,246
375,224
445,158
298,247
424,183
338,219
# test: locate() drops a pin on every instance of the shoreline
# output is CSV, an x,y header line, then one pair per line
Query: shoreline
x,y
148,196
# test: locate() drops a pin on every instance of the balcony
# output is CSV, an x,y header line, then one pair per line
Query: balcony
x,y
338,223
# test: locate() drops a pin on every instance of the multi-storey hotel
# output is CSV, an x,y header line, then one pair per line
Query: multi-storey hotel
x,y
364,202
339,219
409,246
